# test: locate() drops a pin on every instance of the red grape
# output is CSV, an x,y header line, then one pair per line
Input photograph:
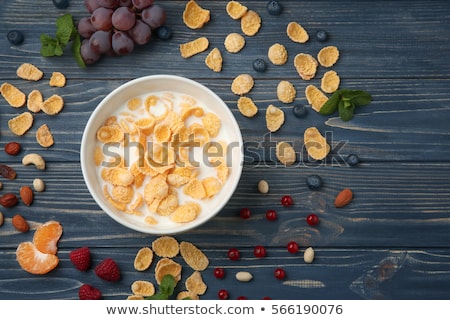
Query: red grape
x,y
154,16
123,18
101,19
125,3
91,5
142,4
111,4
141,33
100,41
85,27
89,56
121,43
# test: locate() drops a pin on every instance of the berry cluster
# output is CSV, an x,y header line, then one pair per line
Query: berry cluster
x,y
115,26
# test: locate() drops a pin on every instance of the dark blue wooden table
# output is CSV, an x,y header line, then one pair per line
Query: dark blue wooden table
x,y
391,242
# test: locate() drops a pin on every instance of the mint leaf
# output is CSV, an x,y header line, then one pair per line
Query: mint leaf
x,y
167,285
346,110
48,47
332,103
59,50
64,29
76,47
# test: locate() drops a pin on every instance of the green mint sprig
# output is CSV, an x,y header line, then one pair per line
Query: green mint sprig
x,y
65,32
166,289
345,101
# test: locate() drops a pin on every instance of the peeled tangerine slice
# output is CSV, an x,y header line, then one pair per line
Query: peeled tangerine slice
x,y
34,261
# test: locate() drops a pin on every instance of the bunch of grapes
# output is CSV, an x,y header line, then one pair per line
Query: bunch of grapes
x,y
115,26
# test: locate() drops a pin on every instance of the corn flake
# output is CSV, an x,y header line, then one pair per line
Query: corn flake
x,y
195,284
44,136
316,145
110,134
285,153
187,212
35,101
14,96
165,246
20,124
195,189
143,288
306,65
235,9
211,122
247,107
222,172
188,49
214,60
118,176
168,205
277,54
296,32
28,71
194,16
242,84
274,118
57,80
234,42
182,295
173,269
250,23
156,188
53,105
123,194
193,256
143,259
134,103
328,56
212,186
286,92
315,97
330,82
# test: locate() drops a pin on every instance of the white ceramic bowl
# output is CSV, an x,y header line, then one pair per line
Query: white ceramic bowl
x,y
146,85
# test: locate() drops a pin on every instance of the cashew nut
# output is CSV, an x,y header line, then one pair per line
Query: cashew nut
x,y
34,158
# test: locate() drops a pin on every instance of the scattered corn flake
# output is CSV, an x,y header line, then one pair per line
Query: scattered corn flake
x,y
53,105
193,256
306,65
328,56
186,295
194,16
123,194
165,246
57,80
44,136
247,107
143,259
173,269
250,23
234,42
316,145
285,153
187,212
142,288
211,122
286,92
214,60
188,49
13,95
35,101
110,134
236,10
195,189
195,284
20,124
277,54
315,97
330,81
28,71
242,84
162,262
212,186
274,118
296,32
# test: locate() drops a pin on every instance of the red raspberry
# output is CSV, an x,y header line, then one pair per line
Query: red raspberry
x,y
81,258
108,270
88,292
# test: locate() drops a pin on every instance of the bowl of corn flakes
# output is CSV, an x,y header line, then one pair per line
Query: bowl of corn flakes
x,y
162,154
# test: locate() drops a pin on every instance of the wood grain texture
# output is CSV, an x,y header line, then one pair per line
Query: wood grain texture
x,y
391,242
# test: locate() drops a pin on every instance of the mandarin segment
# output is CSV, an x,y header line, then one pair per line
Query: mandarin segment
x,y
34,261
47,236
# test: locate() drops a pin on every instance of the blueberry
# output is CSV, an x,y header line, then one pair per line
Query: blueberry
x,y
274,8
164,32
352,160
299,111
259,65
321,35
314,182
61,4
15,37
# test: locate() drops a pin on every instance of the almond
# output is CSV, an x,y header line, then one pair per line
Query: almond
x,y
12,148
8,200
343,198
26,194
20,223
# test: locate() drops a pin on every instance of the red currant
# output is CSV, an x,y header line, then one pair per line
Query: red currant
x,y
312,219
234,254
271,215
223,294
280,274
219,273
267,298
292,247
287,201
242,298
245,213
259,252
